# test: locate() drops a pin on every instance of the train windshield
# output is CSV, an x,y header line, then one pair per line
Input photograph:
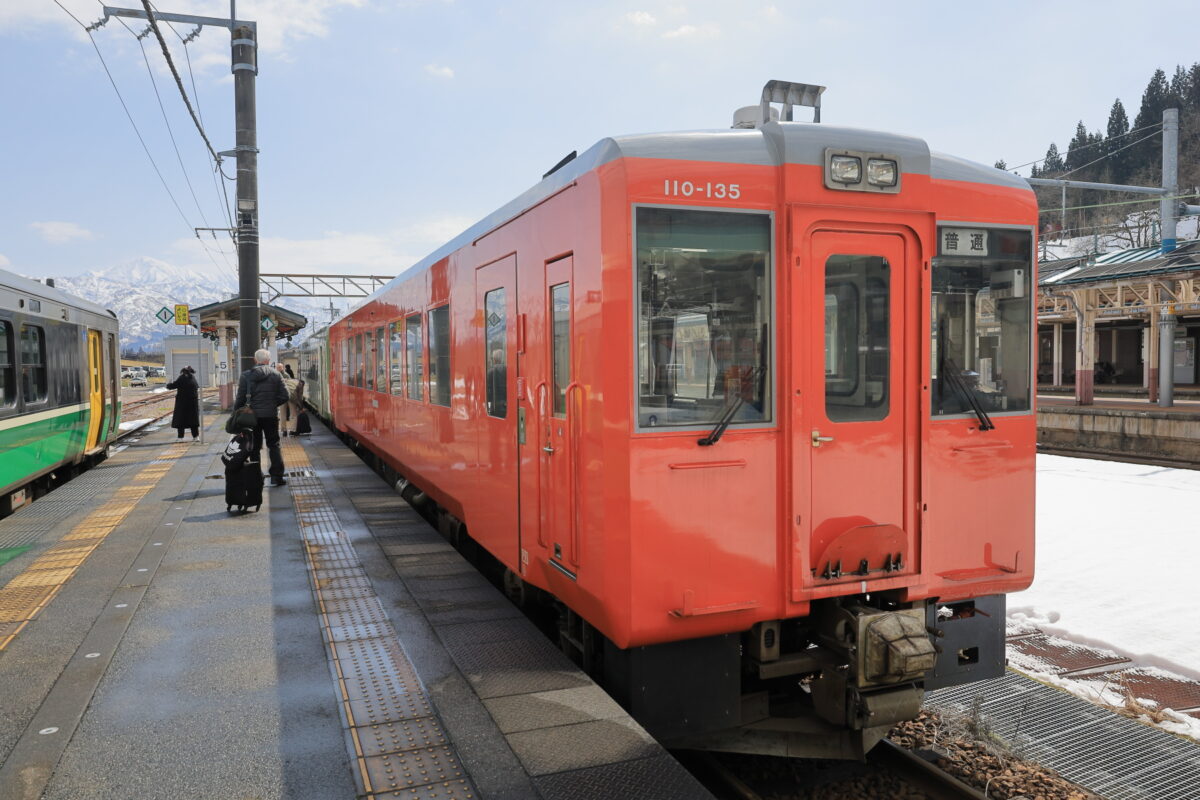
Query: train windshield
x,y
982,308
704,316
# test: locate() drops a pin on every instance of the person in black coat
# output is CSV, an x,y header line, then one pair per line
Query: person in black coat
x,y
263,390
187,403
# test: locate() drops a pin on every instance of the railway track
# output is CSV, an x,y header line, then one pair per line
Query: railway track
x,y
921,773
889,771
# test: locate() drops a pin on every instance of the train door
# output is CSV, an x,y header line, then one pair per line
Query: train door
x,y
95,388
558,408
502,421
112,413
856,359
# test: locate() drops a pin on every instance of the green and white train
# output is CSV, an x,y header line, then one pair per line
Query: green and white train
x,y
60,402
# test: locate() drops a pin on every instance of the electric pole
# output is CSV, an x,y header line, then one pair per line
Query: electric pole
x,y
245,70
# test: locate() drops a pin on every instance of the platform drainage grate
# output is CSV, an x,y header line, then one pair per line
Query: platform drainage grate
x,y
1115,757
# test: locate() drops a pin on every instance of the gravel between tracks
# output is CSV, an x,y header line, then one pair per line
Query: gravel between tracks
x,y
975,756
969,753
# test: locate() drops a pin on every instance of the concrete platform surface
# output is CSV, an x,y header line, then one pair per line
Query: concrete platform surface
x,y
331,645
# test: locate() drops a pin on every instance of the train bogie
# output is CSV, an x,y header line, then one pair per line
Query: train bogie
x,y
707,390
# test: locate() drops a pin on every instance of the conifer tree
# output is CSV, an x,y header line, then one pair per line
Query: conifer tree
x,y
1154,100
1052,164
1118,160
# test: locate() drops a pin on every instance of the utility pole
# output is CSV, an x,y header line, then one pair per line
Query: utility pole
x,y
1169,209
245,71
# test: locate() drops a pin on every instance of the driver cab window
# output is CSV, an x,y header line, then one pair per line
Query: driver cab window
x,y
704,317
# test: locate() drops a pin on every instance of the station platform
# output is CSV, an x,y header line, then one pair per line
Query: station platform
x,y
1129,429
331,645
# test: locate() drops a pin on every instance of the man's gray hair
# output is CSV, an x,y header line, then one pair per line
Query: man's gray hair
x,y
262,356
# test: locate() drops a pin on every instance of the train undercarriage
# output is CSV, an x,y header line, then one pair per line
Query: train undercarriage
x,y
830,685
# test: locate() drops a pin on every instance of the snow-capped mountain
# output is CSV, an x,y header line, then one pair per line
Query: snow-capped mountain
x,y
136,291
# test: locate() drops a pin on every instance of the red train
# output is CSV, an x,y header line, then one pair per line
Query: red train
x,y
755,406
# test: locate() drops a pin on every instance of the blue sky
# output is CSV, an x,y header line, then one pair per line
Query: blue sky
x,y
387,126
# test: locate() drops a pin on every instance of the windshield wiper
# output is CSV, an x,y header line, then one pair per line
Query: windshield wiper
x,y
723,421
950,373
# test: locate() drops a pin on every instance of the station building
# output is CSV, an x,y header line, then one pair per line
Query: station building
x,y
1098,322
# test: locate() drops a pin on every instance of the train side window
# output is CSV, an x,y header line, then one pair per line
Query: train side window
x,y
368,365
857,338
381,359
33,364
345,362
413,353
358,361
982,314
8,370
395,359
439,356
495,352
560,305
703,317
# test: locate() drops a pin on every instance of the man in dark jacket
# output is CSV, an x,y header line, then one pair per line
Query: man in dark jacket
x,y
264,390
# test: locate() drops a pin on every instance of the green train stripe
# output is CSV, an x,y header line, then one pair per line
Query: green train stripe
x,y
41,441
41,416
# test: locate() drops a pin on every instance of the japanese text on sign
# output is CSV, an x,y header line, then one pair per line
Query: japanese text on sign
x,y
964,242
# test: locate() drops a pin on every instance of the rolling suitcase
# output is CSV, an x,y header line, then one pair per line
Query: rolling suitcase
x,y
302,424
243,474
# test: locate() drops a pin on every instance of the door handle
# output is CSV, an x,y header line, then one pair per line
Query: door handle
x,y
547,449
817,438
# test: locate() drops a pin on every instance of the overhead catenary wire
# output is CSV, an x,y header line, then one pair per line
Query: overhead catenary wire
x,y
229,270
129,116
1100,143
178,81
137,131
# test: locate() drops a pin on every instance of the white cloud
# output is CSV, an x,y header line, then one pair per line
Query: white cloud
x,y
280,22
640,18
439,72
4,262
693,33
60,232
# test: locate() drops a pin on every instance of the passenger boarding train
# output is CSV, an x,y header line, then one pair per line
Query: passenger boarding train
x,y
752,409
59,386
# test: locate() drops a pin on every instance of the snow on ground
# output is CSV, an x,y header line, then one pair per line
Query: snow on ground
x,y
134,423
1118,546
1117,549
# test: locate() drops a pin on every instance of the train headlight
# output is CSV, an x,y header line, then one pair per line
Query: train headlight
x,y
845,169
881,172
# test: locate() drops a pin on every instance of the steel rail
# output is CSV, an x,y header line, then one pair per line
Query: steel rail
x,y
921,774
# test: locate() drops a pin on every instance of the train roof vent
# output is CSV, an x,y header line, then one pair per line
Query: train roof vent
x,y
788,95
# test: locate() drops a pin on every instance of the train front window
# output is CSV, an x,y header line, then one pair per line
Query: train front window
x,y
704,316
982,313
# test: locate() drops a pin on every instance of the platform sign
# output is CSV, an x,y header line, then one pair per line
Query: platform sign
x,y
267,323
963,241
164,315
181,314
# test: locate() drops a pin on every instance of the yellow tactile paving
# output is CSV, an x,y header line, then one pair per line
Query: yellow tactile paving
x,y
28,592
375,680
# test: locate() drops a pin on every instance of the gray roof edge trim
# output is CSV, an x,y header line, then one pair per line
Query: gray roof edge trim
x,y
952,168
53,294
806,142
595,156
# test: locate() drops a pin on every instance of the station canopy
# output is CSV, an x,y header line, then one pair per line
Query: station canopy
x,y
286,323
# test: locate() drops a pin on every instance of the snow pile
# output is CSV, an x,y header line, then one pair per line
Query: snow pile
x,y
1116,545
134,424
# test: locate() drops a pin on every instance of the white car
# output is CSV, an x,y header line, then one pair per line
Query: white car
x,y
137,379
